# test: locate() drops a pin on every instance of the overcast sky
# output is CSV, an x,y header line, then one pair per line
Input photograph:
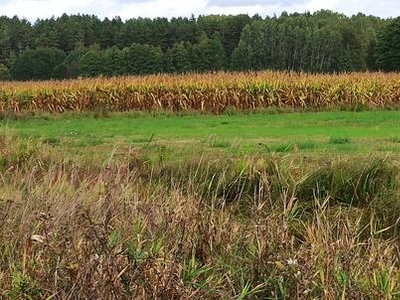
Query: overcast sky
x,y
33,9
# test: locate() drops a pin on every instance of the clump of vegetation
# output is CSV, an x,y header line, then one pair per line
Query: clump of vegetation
x,y
339,140
355,182
370,184
14,153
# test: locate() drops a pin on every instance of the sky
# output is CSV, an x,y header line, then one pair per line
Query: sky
x,y
126,9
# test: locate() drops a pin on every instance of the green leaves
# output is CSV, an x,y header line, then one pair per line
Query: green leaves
x,y
388,47
38,64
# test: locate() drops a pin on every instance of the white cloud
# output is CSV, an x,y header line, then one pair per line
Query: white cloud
x,y
160,8
227,3
382,8
33,9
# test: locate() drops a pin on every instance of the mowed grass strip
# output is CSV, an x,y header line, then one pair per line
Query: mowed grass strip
x,y
365,131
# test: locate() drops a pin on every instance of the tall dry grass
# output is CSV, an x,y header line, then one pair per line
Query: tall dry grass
x,y
259,228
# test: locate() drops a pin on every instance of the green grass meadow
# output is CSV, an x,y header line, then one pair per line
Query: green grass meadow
x,y
313,132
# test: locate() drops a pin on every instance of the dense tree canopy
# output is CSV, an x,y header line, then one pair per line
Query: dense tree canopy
x,y
387,51
41,64
83,45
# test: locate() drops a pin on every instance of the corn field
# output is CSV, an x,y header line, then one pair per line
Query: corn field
x,y
211,93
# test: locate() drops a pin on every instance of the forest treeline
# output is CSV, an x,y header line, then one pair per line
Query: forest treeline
x,y
74,46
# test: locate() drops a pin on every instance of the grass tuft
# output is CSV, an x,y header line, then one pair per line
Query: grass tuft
x,y
339,140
